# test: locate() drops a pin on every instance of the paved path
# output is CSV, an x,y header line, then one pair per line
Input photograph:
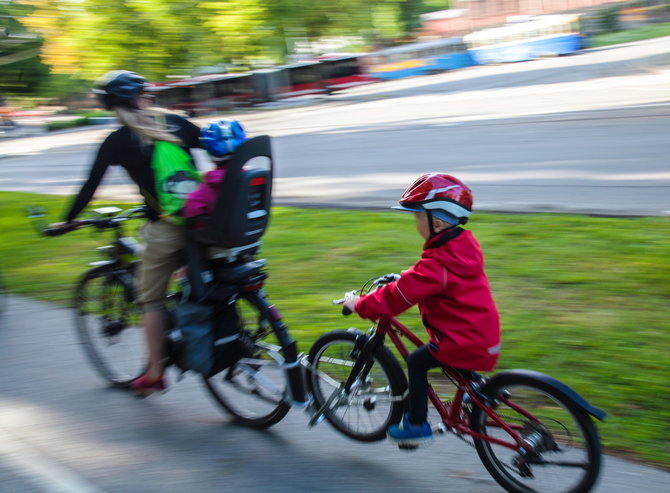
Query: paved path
x,y
62,431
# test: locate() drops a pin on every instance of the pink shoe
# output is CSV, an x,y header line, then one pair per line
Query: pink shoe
x,y
144,387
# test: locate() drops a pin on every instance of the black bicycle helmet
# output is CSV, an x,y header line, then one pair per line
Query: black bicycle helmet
x,y
119,88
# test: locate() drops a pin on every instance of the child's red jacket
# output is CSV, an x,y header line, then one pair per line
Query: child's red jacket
x,y
454,298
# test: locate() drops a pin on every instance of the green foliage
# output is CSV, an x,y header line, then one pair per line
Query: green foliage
x,y
22,72
60,86
581,298
637,34
609,18
158,38
434,5
71,123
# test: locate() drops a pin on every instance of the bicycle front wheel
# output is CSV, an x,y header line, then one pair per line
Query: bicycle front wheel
x,y
109,326
566,450
374,401
253,390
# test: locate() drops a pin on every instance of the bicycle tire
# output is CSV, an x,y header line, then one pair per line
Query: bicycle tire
x,y
108,325
253,390
375,404
568,453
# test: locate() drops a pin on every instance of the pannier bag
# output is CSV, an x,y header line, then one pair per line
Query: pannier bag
x,y
211,336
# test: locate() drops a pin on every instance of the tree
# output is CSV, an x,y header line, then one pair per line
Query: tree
x,y
20,64
158,38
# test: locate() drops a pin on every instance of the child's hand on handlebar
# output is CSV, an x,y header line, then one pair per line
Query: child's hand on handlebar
x,y
348,302
349,305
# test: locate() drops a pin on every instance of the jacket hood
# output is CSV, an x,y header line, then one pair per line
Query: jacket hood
x,y
461,255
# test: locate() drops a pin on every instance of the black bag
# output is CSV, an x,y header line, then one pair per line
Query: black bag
x,y
211,336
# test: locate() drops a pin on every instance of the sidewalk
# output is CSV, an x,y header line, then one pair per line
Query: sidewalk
x,y
63,394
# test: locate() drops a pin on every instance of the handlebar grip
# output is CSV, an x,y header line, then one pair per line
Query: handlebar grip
x,y
53,231
58,231
346,311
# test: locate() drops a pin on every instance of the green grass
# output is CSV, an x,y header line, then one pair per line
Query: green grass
x,y
629,35
584,299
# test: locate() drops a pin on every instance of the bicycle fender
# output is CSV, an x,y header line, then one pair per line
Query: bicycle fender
x,y
559,387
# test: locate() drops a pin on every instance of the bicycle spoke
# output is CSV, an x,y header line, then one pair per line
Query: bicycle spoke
x,y
369,406
564,453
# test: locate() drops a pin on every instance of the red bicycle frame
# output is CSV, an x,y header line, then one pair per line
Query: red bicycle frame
x,y
452,415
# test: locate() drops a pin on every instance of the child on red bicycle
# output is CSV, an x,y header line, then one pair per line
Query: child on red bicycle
x,y
451,288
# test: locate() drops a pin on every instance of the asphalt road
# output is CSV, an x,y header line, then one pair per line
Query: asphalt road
x,y
62,430
586,133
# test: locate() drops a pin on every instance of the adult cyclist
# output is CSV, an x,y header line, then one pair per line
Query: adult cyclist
x,y
131,147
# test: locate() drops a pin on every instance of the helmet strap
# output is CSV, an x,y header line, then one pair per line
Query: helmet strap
x,y
431,228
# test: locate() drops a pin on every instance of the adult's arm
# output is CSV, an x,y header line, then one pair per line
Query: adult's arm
x,y
188,132
96,173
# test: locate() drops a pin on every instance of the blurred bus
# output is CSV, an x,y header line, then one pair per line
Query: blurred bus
x,y
545,35
342,71
422,58
289,81
205,94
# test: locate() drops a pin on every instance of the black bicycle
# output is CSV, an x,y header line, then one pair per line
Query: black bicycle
x,y
258,390
107,320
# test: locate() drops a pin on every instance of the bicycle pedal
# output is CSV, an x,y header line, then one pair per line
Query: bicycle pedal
x,y
440,429
407,447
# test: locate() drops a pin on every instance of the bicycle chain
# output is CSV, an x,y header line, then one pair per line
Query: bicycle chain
x,y
470,441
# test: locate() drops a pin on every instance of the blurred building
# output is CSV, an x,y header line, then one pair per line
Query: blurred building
x,y
470,15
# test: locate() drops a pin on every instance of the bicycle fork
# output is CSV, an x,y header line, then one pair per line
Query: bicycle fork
x,y
363,349
292,363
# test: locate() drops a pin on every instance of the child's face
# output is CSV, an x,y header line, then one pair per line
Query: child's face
x,y
423,228
422,224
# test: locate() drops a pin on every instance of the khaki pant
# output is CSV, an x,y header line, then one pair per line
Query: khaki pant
x,y
162,256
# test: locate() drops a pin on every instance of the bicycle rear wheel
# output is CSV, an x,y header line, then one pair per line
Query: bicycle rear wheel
x,y
374,401
109,326
253,390
566,456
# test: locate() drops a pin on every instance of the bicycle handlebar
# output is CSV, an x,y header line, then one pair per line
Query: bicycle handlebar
x,y
58,231
100,222
373,283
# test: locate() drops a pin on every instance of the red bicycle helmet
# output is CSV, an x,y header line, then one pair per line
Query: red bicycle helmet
x,y
442,196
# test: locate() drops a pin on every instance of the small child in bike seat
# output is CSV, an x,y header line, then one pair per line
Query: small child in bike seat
x,y
220,139
452,291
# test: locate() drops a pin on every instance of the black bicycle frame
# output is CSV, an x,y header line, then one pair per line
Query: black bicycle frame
x,y
292,364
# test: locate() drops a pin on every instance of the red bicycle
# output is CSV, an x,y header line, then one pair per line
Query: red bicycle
x,y
532,432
